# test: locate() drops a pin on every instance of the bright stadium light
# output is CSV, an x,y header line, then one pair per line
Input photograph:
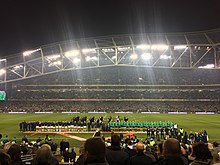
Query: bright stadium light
x,y
165,57
159,47
143,46
122,49
113,57
134,56
146,56
57,62
72,53
17,67
76,60
207,48
94,58
85,51
208,66
2,60
88,58
179,47
29,52
108,50
53,57
2,71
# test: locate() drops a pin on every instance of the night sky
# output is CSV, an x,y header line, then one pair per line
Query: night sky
x,y
29,24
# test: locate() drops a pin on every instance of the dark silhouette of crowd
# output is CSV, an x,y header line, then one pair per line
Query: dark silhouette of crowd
x,y
116,150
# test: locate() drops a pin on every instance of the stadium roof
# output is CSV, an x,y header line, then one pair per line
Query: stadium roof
x,y
171,50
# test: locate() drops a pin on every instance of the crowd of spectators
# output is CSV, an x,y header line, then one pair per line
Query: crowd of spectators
x,y
135,93
116,150
110,106
118,89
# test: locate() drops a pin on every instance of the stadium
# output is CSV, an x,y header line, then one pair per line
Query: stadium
x,y
148,78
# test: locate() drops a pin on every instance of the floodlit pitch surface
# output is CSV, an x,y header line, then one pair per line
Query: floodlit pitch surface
x,y
9,124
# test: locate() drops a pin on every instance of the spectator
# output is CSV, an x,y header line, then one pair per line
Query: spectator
x,y
38,140
159,152
95,151
5,139
66,155
202,154
150,153
44,156
15,154
66,145
24,148
47,138
62,147
216,158
140,158
114,154
5,159
24,139
130,149
172,153
72,155
80,160
53,147
14,140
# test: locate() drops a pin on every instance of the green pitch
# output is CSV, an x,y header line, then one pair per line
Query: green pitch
x,y
9,124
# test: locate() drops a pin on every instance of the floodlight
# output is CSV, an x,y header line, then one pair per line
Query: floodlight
x,y
165,57
17,67
134,56
122,49
143,46
1,60
2,71
178,47
76,60
94,58
159,47
72,53
89,58
113,57
29,52
85,51
53,57
208,66
108,50
146,56
57,62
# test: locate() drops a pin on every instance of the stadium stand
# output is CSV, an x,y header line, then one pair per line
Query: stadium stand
x,y
124,148
105,79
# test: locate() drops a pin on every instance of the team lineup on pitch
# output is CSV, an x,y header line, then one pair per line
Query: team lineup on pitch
x,y
10,123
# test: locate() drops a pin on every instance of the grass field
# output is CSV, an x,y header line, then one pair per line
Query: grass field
x,y
9,124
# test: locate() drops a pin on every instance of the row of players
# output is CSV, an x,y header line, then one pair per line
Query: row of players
x,y
75,122
69,126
